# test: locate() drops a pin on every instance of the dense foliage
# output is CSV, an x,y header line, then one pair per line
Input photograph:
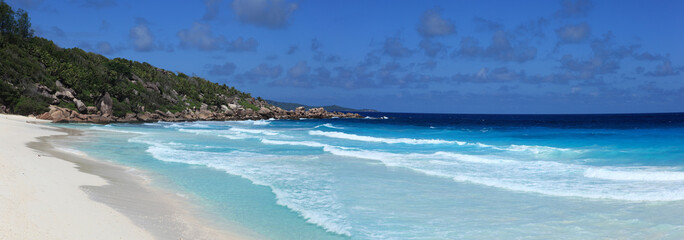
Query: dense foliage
x,y
15,23
29,65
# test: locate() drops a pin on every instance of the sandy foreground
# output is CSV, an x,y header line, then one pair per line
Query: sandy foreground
x,y
49,194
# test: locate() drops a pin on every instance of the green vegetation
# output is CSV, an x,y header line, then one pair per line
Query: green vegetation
x,y
69,105
33,69
28,105
248,105
15,23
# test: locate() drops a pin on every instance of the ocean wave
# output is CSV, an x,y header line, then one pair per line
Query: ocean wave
x,y
261,122
541,177
328,125
631,193
292,143
536,149
109,128
221,133
302,188
634,174
237,133
390,157
196,131
376,118
482,145
234,137
355,137
253,131
178,125
254,122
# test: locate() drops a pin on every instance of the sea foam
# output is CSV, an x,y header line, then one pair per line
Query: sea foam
x,y
515,148
355,137
634,174
221,133
109,128
293,143
231,133
303,189
254,122
253,131
328,125
542,177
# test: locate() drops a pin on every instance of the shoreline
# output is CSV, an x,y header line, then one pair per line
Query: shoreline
x,y
66,115
71,196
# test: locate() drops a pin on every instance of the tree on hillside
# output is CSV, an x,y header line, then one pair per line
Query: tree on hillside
x,y
16,23
23,24
6,18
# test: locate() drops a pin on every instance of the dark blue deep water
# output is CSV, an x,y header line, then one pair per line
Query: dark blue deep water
x,y
614,121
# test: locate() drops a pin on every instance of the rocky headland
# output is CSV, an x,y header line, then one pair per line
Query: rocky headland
x,y
102,112
204,113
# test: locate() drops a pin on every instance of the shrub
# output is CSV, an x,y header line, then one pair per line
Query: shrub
x,y
28,105
120,109
249,105
8,95
69,105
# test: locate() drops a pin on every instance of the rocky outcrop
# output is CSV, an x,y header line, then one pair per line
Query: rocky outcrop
x,y
80,106
105,105
223,113
266,113
103,112
299,110
91,110
67,95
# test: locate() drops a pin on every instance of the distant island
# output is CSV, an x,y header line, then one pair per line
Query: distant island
x,y
39,78
336,108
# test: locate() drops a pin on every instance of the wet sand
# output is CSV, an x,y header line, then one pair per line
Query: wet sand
x,y
46,193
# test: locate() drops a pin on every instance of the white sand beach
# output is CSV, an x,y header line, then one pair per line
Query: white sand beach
x,y
43,196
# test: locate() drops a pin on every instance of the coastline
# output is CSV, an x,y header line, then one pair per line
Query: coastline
x,y
46,193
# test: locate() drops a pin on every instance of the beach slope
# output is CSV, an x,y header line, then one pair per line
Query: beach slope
x,y
41,196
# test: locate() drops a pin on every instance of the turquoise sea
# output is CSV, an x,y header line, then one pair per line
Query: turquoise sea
x,y
419,176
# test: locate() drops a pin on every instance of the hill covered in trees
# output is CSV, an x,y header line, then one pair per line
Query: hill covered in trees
x,y
38,77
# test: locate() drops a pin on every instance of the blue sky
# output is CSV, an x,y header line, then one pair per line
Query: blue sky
x,y
400,56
